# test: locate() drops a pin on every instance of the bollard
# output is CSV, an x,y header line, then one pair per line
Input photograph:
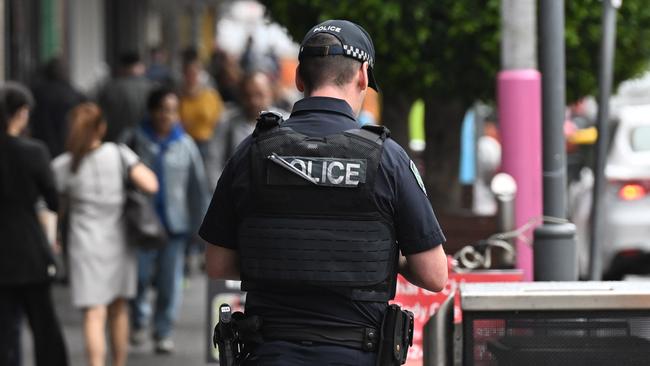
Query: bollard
x,y
504,188
554,253
438,337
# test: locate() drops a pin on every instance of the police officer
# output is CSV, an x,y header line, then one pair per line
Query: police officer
x,y
317,216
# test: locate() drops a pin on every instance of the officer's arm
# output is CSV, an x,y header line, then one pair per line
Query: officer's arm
x,y
221,263
426,269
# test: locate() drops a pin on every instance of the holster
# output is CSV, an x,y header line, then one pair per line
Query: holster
x,y
396,336
231,334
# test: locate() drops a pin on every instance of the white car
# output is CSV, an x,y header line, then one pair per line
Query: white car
x,y
626,244
625,248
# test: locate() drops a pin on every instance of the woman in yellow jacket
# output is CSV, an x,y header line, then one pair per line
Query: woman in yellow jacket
x,y
200,107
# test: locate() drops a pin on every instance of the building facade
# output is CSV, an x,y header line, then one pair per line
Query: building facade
x,y
89,35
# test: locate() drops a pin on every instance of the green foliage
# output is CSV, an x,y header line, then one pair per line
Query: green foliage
x,y
441,48
583,37
450,49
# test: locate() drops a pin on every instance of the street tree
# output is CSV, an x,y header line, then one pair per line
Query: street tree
x,y
447,52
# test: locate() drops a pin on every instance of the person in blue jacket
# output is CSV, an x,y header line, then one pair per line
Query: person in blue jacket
x,y
163,146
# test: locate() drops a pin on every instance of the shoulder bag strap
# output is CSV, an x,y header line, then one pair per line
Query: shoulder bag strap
x,y
125,167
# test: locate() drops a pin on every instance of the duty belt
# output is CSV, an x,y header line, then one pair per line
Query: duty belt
x,y
364,338
236,333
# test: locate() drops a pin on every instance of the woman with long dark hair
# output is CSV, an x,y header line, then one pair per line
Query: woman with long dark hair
x,y
91,176
26,267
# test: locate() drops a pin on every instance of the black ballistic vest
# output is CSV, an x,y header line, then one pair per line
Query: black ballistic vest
x,y
313,222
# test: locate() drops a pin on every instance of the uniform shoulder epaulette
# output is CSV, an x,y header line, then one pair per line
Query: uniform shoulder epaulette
x,y
267,120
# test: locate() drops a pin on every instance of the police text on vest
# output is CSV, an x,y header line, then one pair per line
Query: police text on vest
x,y
332,172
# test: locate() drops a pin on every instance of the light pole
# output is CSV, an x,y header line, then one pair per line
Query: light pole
x,y
554,249
604,91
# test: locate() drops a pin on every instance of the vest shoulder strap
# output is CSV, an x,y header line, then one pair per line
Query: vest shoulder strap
x,y
382,131
266,121
374,133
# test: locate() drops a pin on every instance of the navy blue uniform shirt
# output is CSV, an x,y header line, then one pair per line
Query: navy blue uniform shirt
x,y
398,195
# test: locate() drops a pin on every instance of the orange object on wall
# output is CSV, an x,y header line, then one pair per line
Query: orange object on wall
x,y
288,72
372,104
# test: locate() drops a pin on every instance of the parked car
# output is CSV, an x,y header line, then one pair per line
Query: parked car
x,y
625,248
626,244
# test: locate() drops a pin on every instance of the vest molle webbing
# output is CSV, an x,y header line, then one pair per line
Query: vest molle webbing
x,y
313,222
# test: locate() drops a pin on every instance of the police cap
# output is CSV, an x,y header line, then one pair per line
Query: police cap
x,y
355,43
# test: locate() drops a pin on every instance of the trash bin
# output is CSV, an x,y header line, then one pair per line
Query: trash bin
x,y
556,323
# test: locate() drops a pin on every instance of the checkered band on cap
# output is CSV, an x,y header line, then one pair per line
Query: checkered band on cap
x,y
358,54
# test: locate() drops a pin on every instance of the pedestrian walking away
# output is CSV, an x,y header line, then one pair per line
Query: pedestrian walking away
x,y
91,178
123,98
317,217
26,264
55,97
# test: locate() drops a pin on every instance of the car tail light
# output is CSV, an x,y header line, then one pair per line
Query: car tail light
x,y
632,191
629,253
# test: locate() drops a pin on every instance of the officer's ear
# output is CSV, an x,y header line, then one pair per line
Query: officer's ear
x,y
363,77
299,83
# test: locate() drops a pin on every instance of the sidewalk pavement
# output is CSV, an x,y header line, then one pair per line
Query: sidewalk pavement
x,y
189,334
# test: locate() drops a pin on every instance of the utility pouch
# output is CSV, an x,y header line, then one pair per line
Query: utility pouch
x,y
396,336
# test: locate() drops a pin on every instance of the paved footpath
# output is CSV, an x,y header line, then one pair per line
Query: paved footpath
x,y
189,334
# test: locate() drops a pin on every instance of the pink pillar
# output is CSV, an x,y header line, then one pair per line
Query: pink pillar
x,y
520,120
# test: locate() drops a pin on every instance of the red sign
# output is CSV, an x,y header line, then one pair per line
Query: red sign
x,y
424,304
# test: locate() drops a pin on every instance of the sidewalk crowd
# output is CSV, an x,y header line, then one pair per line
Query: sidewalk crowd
x,y
69,164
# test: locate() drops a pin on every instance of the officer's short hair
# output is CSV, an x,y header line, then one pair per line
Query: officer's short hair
x,y
316,72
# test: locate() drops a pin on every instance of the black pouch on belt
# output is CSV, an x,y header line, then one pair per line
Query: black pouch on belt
x,y
396,336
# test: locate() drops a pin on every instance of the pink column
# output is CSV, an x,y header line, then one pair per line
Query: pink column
x,y
520,120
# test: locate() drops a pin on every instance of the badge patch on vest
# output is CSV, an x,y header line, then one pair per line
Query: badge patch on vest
x,y
329,172
416,173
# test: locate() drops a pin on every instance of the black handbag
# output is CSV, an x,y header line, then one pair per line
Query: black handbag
x,y
143,226
57,266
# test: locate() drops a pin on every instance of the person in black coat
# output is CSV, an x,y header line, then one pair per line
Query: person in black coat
x,y
55,97
26,267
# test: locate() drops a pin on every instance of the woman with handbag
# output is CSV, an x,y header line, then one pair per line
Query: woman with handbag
x,y
26,266
91,177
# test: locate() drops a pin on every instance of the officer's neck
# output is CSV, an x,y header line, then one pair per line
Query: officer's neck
x,y
348,93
